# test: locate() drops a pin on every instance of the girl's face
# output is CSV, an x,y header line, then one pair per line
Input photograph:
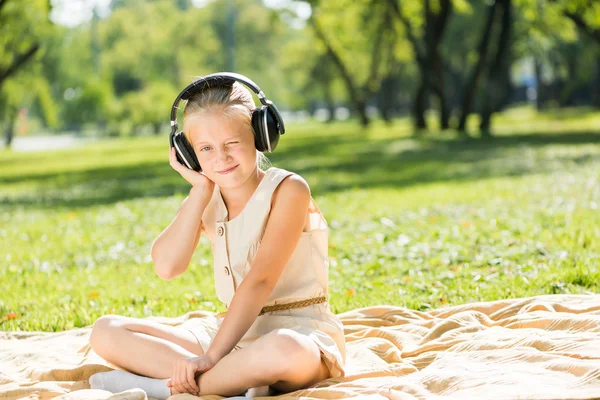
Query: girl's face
x,y
224,147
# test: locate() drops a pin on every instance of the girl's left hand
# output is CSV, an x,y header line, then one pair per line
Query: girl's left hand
x,y
183,379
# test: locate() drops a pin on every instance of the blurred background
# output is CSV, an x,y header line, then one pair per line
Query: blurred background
x,y
452,145
97,68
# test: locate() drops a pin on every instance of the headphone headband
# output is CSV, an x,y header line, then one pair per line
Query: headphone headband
x,y
219,79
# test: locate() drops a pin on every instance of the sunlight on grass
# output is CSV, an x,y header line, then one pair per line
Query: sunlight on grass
x,y
417,222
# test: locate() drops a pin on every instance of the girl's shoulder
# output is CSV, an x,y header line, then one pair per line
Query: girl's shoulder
x,y
289,182
294,188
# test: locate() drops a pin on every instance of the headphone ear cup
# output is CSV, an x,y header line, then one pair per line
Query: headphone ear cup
x,y
266,134
272,129
260,137
185,152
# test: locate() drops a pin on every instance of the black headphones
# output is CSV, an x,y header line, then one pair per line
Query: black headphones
x,y
267,123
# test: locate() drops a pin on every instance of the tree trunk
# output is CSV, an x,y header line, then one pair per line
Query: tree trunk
x,y
361,109
356,95
420,106
329,100
499,84
471,87
9,133
436,26
439,89
596,95
484,125
565,98
539,101
454,86
385,98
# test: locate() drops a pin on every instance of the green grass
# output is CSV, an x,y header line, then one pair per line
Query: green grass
x,y
415,222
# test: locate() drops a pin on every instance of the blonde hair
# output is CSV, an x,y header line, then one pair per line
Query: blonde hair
x,y
232,101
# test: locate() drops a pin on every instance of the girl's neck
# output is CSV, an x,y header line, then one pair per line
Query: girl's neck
x,y
236,198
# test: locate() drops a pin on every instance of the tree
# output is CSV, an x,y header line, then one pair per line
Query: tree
x,y
378,33
498,81
478,69
17,44
21,30
311,78
426,44
585,14
148,106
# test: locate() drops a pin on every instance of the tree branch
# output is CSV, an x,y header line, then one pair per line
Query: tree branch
x,y
2,4
482,51
376,55
19,61
336,59
409,31
442,20
581,24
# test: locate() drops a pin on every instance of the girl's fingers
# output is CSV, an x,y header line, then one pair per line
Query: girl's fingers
x,y
191,380
176,165
178,381
188,174
181,388
181,380
172,157
184,379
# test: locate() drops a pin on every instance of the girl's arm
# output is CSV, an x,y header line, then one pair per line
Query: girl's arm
x,y
174,247
282,233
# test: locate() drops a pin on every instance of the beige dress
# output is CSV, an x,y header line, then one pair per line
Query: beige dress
x,y
235,244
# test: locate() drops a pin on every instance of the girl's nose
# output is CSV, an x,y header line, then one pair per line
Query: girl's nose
x,y
223,155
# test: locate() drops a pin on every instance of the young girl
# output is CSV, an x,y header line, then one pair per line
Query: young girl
x,y
269,243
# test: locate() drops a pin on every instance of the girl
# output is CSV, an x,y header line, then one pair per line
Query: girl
x,y
269,243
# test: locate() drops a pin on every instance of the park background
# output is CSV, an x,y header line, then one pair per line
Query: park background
x,y
453,146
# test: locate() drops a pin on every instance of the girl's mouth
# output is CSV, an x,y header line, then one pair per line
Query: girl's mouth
x,y
228,170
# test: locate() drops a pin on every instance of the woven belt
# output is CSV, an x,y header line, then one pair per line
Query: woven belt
x,y
287,306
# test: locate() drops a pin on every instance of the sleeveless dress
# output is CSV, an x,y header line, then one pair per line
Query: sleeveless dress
x,y
235,243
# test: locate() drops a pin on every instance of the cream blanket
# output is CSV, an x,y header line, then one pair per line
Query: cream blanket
x,y
544,347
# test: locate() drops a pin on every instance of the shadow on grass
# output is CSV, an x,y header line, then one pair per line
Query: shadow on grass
x,y
329,164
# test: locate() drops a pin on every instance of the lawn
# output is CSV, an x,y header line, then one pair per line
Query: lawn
x,y
417,222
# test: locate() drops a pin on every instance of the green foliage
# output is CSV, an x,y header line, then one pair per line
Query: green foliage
x,y
99,71
45,103
416,223
138,42
90,102
23,28
149,106
341,22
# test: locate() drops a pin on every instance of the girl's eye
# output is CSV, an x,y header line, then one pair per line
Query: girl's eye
x,y
232,142
205,147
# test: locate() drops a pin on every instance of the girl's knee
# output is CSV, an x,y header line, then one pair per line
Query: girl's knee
x,y
293,351
101,331
291,343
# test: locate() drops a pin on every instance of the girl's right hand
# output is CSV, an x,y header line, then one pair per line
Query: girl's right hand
x,y
195,178
183,378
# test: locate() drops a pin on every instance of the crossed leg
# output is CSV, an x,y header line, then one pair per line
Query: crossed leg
x,y
141,346
282,359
